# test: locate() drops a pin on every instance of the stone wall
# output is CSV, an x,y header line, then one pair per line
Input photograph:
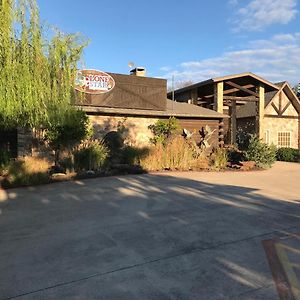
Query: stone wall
x,y
273,125
136,132
134,129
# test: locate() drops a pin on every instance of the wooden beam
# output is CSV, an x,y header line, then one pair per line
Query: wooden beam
x,y
276,109
242,88
249,99
285,108
280,102
226,92
283,117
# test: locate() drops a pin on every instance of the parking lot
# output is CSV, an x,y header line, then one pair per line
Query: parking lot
x,y
196,235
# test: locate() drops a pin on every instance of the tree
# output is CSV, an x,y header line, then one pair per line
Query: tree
x,y
67,133
36,75
180,84
296,89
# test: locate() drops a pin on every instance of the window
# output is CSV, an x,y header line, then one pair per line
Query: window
x,y
284,139
267,137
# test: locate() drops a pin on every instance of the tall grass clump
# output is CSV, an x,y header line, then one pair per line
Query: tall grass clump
x,y
176,154
27,171
91,156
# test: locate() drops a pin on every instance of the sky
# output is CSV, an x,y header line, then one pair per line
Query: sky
x,y
192,40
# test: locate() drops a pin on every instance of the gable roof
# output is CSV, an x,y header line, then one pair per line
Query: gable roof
x,y
249,110
269,86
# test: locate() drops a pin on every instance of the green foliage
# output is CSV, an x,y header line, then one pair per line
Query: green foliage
x,y
163,129
219,158
114,141
263,155
133,155
69,132
91,156
4,159
37,75
288,154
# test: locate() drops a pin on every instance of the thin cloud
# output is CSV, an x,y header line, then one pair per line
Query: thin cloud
x,y
276,59
259,14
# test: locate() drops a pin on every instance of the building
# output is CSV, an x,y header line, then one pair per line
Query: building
x,y
253,104
126,103
137,101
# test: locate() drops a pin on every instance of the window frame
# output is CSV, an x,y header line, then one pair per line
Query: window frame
x,y
290,139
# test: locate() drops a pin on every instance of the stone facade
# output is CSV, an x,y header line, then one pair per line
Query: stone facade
x,y
280,124
136,132
134,129
275,125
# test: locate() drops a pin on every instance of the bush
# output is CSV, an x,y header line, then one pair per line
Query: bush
x,y
4,159
27,171
288,154
263,155
114,141
68,133
163,129
219,158
91,156
133,155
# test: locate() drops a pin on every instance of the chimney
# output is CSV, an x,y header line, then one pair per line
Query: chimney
x,y
139,71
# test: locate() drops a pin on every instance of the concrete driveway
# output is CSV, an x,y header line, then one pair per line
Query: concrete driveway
x,y
157,236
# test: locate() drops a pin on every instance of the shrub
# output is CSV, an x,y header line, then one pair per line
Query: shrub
x,y
114,141
133,155
27,171
4,159
234,154
163,129
90,156
219,158
263,155
288,154
68,133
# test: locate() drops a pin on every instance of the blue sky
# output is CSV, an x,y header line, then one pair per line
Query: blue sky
x,y
192,39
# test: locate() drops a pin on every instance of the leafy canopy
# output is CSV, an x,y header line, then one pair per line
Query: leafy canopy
x,y
36,74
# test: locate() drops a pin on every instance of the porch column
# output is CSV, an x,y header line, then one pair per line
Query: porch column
x,y
232,109
218,97
194,96
261,111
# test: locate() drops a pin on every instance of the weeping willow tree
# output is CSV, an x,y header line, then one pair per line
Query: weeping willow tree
x,y
36,75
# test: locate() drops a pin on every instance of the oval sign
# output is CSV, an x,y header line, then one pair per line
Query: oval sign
x,y
93,82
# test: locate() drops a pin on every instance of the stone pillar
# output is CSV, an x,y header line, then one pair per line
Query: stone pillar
x,y
218,97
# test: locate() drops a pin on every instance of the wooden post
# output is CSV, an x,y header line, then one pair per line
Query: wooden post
x,y
218,97
194,96
261,111
233,121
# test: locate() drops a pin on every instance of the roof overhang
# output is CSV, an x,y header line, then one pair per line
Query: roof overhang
x,y
242,79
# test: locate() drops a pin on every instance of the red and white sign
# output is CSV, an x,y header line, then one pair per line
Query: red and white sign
x,y
94,82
